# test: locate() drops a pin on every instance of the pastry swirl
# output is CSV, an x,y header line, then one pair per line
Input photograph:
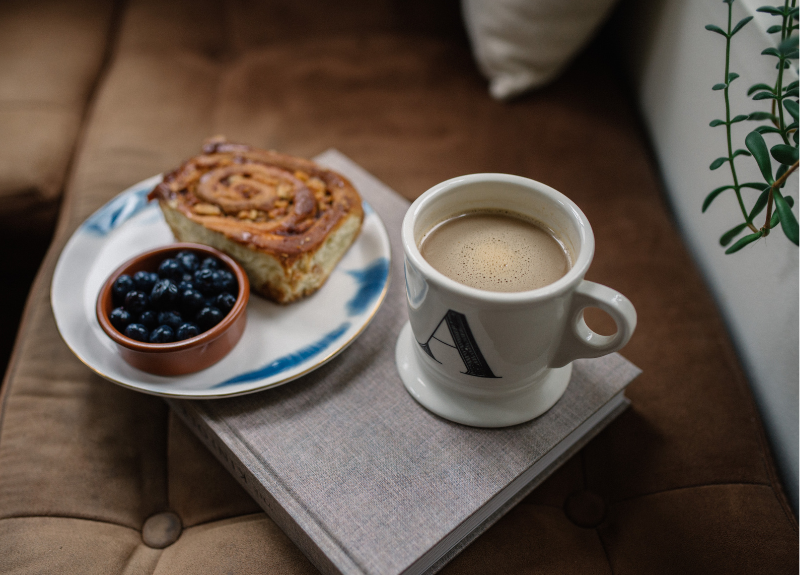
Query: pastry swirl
x,y
267,203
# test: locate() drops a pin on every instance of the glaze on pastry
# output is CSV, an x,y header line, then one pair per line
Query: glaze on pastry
x,y
287,220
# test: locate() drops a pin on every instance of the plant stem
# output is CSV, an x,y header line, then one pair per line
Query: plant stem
x,y
775,186
736,187
786,28
779,87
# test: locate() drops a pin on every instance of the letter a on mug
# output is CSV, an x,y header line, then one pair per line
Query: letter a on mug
x,y
461,339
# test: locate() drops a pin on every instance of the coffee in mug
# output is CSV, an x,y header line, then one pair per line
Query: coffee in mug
x,y
496,251
481,355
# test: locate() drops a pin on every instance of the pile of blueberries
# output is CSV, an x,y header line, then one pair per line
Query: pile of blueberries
x,y
183,299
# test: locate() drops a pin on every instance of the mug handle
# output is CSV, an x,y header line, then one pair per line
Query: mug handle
x,y
579,340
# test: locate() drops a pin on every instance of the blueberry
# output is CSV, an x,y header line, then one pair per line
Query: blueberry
x,y
120,318
149,319
188,260
145,280
204,282
136,301
162,334
208,317
190,301
164,294
170,269
210,263
121,287
186,284
224,281
186,330
136,331
225,302
170,318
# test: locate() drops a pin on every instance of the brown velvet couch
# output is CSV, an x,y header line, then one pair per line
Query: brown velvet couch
x,y
95,96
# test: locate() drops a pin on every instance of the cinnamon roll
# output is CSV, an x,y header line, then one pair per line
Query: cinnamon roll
x,y
287,220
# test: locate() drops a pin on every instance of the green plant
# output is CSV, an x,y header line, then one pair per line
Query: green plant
x,y
784,104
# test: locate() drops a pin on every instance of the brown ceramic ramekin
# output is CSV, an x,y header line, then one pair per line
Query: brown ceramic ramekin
x,y
189,355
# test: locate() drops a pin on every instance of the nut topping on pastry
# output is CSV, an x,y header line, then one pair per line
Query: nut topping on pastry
x,y
293,218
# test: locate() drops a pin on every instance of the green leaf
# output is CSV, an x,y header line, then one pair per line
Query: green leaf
x,y
794,84
758,147
716,29
788,221
739,118
784,154
775,28
757,87
741,152
776,217
768,130
717,163
764,96
719,86
791,107
715,123
793,92
754,185
710,197
728,236
760,204
760,116
740,25
771,10
771,52
732,76
787,46
743,242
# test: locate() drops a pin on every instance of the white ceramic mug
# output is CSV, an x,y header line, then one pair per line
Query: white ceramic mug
x,y
493,359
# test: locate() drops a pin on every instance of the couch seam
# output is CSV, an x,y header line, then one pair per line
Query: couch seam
x,y
57,516
605,549
133,552
585,479
235,516
698,486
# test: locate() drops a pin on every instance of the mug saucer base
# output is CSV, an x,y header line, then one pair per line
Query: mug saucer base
x,y
477,412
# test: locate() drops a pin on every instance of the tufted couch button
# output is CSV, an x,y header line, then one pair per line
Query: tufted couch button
x,y
585,509
161,530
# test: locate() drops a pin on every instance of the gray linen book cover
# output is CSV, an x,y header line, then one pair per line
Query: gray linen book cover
x,y
365,480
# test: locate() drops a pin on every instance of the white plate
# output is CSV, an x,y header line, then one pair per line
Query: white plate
x,y
280,343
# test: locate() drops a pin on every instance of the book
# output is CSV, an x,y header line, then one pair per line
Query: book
x,y
365,480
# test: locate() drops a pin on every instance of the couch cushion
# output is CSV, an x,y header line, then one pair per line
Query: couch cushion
x,y
681,482
50,56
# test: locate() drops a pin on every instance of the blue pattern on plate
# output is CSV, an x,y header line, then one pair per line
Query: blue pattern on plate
x,y
371,281
288,361
367,208
117,211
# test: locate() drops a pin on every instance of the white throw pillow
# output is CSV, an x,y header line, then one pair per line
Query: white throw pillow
x,y
523,44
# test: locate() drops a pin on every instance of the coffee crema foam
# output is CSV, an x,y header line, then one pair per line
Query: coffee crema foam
x,y
495,251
